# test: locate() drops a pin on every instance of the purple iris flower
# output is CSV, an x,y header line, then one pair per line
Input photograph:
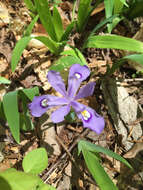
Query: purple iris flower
x,y
77,74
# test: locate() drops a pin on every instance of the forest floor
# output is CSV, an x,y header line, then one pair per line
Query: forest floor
x,y
121,94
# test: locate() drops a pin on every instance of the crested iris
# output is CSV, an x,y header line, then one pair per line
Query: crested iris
x,y
77,74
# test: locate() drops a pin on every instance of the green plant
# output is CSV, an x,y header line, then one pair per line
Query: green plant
x,y
53,25
33,164
92,158
14,110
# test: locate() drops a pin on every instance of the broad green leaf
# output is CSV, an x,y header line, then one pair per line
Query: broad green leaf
x,y
53,46
115,42
4,81
17,180
35,161
97,171
57,24
31,92
65,62
30,5
84,11
46,17
67,31
30,26
18,50
10,105
96,148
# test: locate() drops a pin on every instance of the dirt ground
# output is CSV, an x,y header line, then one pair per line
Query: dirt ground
x,y
119,99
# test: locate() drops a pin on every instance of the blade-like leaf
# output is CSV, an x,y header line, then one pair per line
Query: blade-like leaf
x,y
109,4
96,148
134,57
10,105
4,81
67,31
53,46
57,24
30,26
97,171
115,42
18,50
75,53
30,5
84,11
45,17
118,5
35,161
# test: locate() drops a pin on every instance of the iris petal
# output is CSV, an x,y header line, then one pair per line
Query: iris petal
x,y
36,107
77,74
58,115
56,82
85,91
89,117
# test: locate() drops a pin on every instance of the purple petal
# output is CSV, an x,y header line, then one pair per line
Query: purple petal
x,y
58,115
77,74
39,105
56,82
56,101
89,117
85,91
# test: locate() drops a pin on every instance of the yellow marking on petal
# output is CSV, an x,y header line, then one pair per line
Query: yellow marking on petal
x,y
86,115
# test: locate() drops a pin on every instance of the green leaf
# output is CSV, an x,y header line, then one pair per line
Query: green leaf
x,y
102,23
46,18
31,92
53,46
68,31
16,180
109,4
75,53
115,42
118,5
124,2
95,148
2,115
57,24
35,161
30,5
134,57
65,62
84,12
18,50
30,26
135,9
10,105
97,171
4,81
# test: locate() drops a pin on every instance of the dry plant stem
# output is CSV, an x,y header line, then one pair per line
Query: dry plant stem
x,y
64,155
